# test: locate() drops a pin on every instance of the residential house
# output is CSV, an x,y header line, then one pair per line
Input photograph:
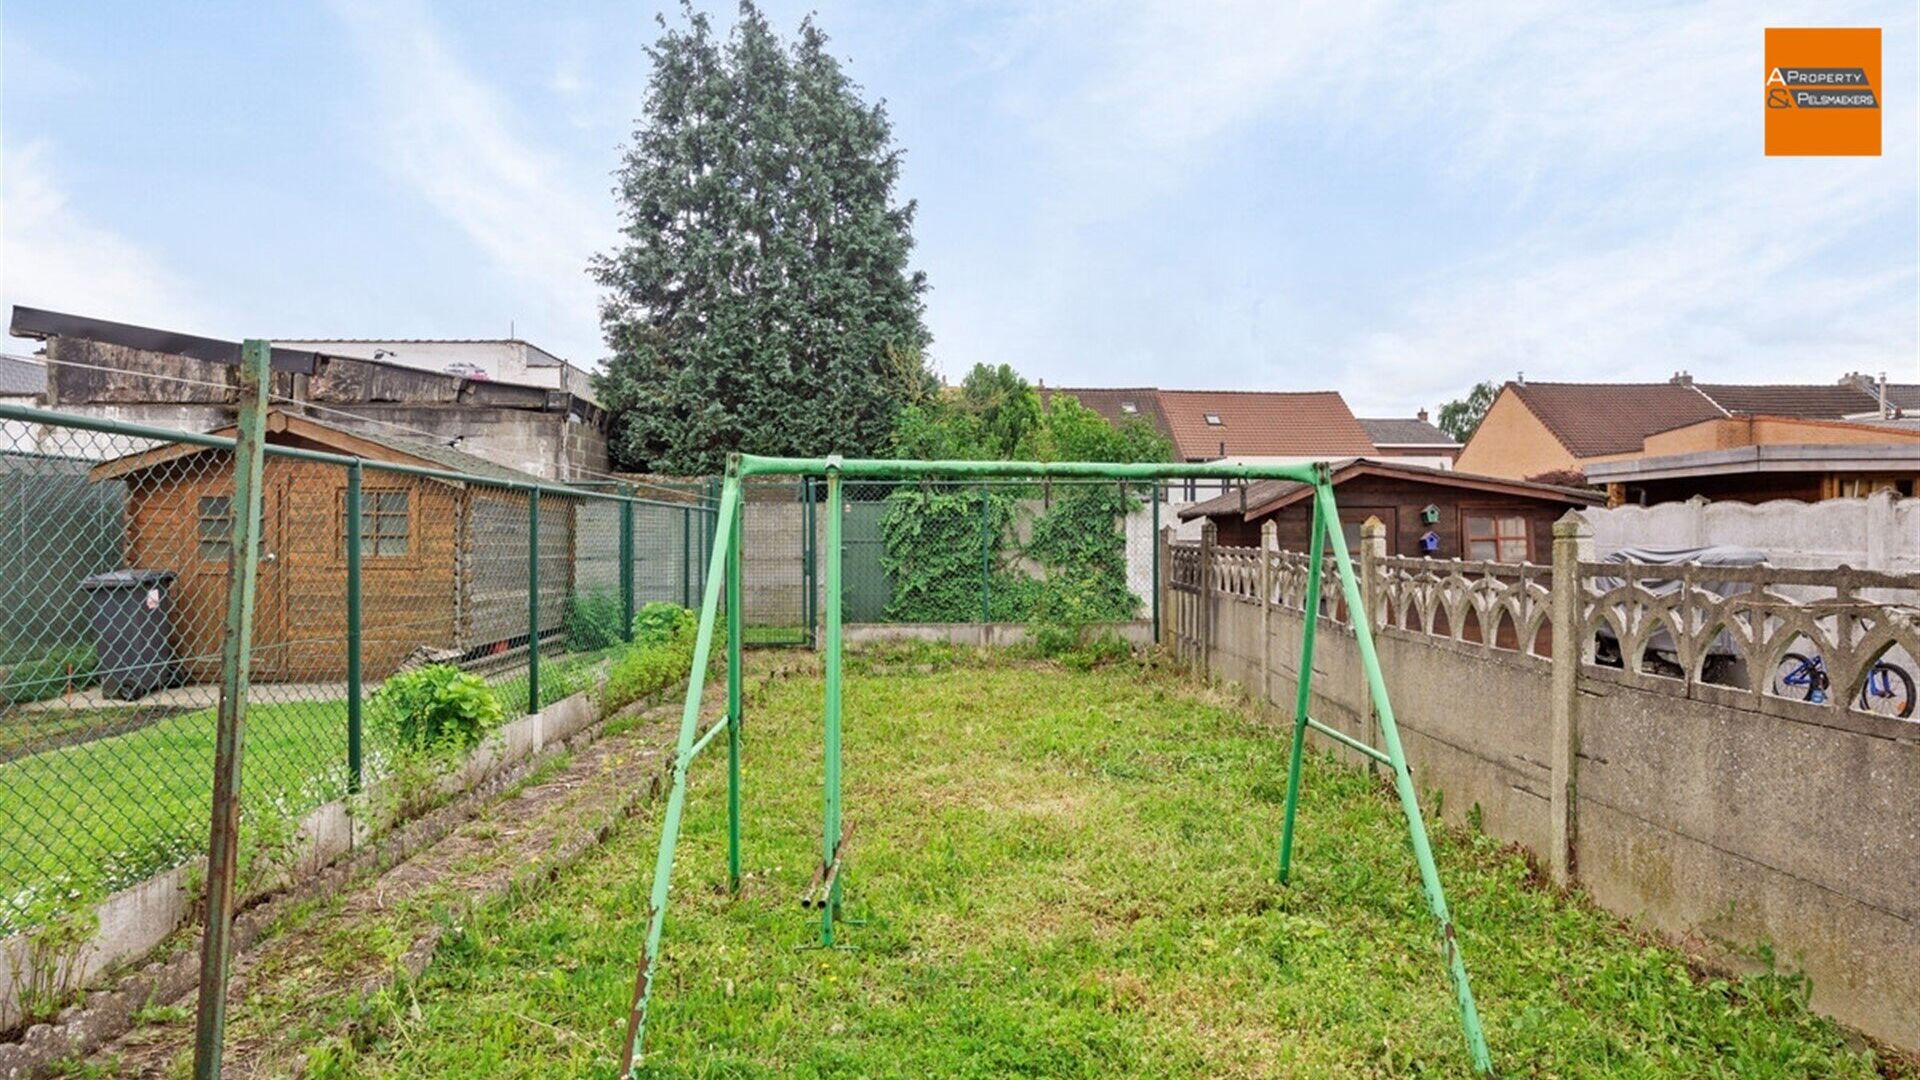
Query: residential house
x,y
1753,459
1430,512
96,367
1411,440
1538,429
1241,426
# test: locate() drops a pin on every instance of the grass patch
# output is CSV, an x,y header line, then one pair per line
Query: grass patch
x,y
1069,874
84,818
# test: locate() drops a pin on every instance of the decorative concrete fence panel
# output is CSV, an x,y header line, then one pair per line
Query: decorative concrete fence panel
x,y
1623,724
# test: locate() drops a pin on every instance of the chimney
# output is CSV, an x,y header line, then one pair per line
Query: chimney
x,y
1681,378
1522,379
1422,415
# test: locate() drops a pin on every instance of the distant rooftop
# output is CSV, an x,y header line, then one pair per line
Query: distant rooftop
x,y
1406,431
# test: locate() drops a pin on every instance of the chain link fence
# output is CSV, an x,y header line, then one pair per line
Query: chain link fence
x,y
942,552
114,570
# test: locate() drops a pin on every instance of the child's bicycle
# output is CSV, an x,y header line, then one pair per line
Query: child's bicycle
x,y
1888,690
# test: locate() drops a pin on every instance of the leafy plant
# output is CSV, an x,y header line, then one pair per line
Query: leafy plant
x,y
660,656
436,707
49,675
661,622
592,620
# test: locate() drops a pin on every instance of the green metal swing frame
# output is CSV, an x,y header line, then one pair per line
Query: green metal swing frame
x,y
723,578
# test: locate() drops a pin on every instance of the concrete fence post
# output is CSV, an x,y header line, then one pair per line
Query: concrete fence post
x,y
1373,548
1572,544
1208,536
1269,548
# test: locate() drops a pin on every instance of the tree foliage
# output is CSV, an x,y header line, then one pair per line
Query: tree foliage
x,y
1461,417
760,299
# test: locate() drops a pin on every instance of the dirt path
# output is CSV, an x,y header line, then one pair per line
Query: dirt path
x,y
308,980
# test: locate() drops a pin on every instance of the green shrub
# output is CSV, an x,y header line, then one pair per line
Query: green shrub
x,y
660,656
50,675
592,621
436,707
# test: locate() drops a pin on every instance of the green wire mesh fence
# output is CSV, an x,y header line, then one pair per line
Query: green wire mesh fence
x,y
114,560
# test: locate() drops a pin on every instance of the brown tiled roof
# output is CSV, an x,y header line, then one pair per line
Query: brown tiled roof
x,y
1404,431
1263,497
1816,402
1110,401
1591,419
1263,423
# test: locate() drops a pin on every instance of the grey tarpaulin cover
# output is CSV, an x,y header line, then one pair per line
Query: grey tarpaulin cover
x,y
1717,555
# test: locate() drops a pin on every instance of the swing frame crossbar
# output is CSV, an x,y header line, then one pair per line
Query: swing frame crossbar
x,y
723,581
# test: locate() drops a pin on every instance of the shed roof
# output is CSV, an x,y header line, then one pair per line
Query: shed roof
x,y
338,439
1267,496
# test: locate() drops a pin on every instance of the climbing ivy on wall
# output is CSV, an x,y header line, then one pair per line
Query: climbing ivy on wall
x,y
933,534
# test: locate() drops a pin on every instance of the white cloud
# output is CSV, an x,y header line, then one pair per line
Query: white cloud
x,y
52,256
453,139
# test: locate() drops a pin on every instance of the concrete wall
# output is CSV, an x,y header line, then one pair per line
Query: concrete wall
x,y
1880,532
1726,819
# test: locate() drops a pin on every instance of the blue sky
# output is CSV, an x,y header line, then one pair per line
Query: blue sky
x,y
1393,200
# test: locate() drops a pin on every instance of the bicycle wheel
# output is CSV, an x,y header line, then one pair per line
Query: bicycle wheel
x,y
1795,678
1888,691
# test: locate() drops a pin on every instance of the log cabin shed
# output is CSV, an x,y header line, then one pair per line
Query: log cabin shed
x,y
444,563
1433,512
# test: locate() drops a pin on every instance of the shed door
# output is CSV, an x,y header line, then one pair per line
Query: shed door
x,y
214,511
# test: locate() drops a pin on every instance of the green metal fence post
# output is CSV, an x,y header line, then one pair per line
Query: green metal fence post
x,y
1303,690
686,556
809,553
831,832
677,794
1402,779
626,571
735,711
533,601
354,528
986,566
236,657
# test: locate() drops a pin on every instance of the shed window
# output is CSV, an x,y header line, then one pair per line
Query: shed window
x,y
385,524
216,526
1497,539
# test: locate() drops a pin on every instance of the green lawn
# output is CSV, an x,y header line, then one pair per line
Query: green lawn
x,y
1064,874
106,813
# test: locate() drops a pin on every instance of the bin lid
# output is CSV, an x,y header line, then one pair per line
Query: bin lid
x,y
128,579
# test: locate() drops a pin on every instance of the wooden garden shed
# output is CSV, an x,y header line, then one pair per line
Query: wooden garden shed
x,y
1440,513
444,563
